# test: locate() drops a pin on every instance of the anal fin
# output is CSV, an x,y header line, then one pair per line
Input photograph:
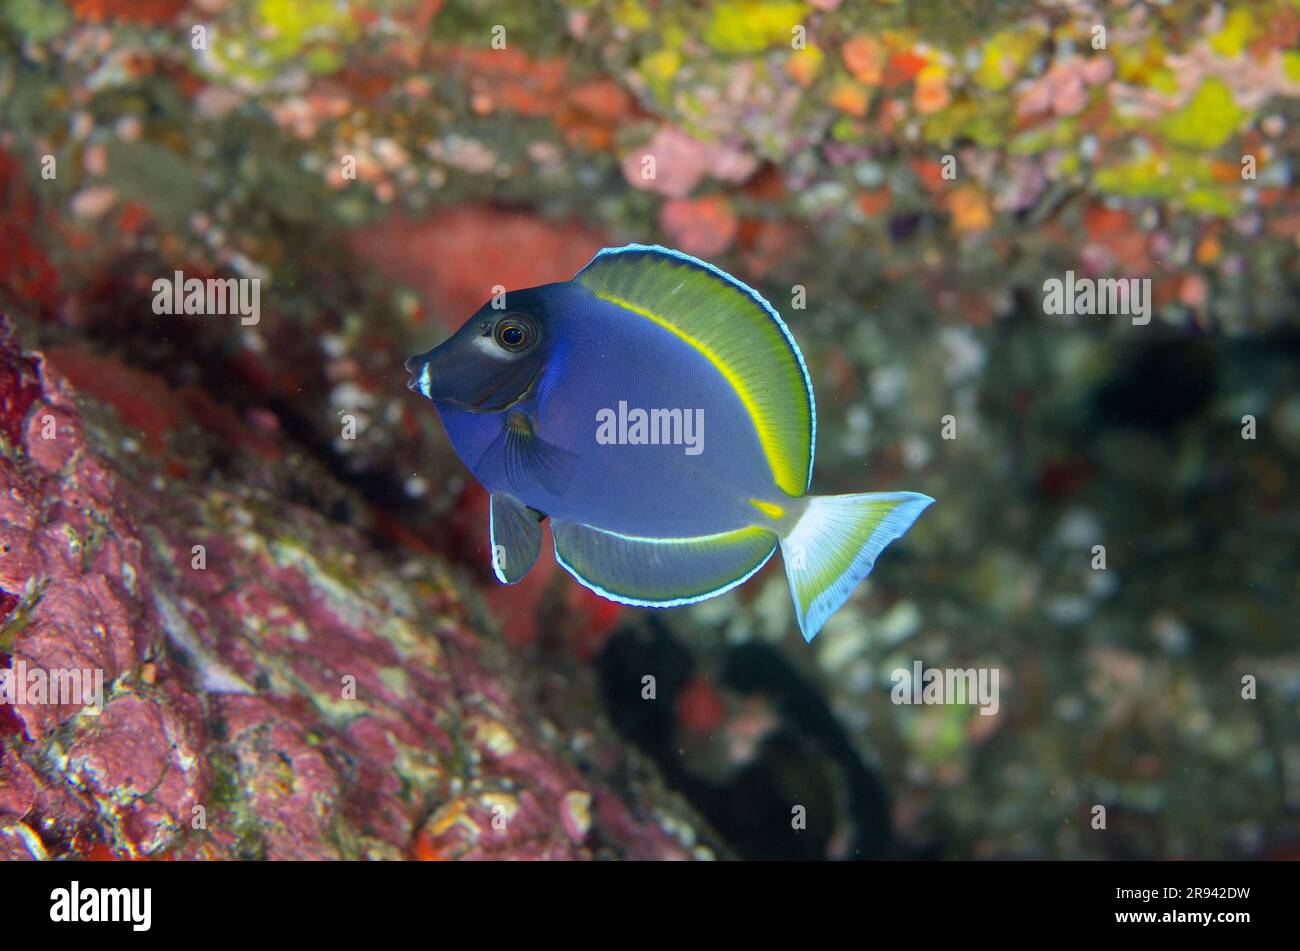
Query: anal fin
x,y
660,572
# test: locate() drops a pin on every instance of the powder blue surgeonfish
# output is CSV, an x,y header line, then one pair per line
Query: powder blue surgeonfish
x,y
660,414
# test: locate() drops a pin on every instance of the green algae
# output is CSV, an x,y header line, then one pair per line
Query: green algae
x,y
1208,119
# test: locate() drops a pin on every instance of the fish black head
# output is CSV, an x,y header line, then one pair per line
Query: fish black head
x,y
493,361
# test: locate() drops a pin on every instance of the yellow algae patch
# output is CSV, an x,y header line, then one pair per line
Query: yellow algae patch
x,y
1239,28
1208,119
450,815
493,736
395,679
1004,55
1291,65
746,26
503,807
575,812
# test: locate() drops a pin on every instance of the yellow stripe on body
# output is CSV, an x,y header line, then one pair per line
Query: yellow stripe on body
x,y
790,481
767,508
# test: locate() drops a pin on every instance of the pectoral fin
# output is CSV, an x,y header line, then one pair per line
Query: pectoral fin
x,y
516,533
530,460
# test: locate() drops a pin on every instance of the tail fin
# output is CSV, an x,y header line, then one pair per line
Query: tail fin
x,y
834,545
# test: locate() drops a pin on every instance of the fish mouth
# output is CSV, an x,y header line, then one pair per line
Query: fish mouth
x,y
431,385
415,366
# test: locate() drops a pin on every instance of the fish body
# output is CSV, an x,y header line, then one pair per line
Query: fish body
x,y
606,360
659,412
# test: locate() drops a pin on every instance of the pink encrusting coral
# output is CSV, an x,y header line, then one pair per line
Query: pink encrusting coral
x,y
273,686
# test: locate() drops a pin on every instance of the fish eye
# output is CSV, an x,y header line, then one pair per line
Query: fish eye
x,y
514,333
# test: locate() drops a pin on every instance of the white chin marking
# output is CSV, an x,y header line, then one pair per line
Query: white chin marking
x,y
424,382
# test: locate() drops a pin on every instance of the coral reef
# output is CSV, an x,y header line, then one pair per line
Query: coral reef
x,y
275,684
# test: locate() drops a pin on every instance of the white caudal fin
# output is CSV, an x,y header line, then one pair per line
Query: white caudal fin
x,y
834,545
